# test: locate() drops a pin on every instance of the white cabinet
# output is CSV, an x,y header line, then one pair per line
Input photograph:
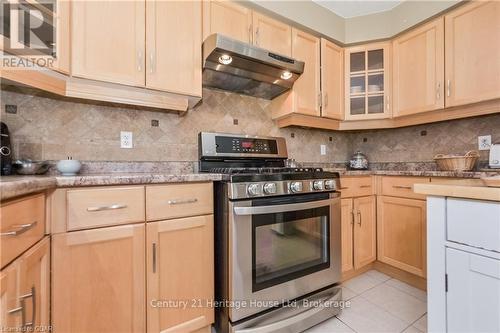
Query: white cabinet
x,y
473,297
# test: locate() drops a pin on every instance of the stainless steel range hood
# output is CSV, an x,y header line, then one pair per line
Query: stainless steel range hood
x,y
245,69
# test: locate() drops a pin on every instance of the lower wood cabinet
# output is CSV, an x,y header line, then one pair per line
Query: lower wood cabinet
x,y
402,233
180,267
359,239
98,280
25,290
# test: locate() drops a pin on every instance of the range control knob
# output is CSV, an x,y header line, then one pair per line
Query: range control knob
x,y
330,184
318,185
296,187
270,188
254,189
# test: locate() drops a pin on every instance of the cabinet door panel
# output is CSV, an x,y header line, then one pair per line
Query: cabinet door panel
x,y
173,45
365,232
108,39
402,233
34,283
332,87
306,90
472,47
99,280
180,267
418,70
9,317
228,19
347,236
272,35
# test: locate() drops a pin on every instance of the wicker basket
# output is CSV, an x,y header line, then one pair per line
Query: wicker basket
x,y
457,163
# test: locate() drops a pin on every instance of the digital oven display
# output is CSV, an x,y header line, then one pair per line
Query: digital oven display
x,y
226,144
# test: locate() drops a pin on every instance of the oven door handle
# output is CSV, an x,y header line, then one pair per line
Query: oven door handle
x,y
256,210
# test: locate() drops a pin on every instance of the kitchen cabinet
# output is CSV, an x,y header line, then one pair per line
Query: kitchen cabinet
x,y
180,267
305,96
107,41
25,289
365,231
272,35
332,80
347,229
227,18
418,69
367,81
472,53
401,233
98,280
173,46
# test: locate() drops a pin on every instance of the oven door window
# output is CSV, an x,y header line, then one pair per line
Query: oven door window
x,y
288,245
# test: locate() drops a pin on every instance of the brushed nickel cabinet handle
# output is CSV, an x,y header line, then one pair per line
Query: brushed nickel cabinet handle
x,y
250,34
364,186
257,36
154,257
326,100
139,61
19,229
180,201
352,217
31,295
387,102
406,187
438,91
359,218
110,207
448,88
344,188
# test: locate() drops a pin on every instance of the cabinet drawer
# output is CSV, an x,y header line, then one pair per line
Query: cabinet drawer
x,y
402,186
178,200
474,222
95,207
22,225
356,186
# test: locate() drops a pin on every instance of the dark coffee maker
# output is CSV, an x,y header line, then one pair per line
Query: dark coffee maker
x,y
5,150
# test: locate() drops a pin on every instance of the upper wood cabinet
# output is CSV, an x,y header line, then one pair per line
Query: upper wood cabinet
x,y
98,279
401,231
228,19
472,48
367,81
418,69
108,41
173,46
365,231
332,80
347,220
180,266
272,35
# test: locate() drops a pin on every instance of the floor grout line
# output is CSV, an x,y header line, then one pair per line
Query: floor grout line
x,y
346,324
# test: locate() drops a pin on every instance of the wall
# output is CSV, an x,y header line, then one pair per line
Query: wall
x,y
52,129
409,145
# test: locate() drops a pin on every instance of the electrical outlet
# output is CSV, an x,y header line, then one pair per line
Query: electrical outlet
x,y
322,149
484,142
126,140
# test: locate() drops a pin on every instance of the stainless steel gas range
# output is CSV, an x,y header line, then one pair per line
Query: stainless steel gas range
x,y
277,237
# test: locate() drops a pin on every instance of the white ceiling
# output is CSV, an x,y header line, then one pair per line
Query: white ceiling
x,y
353,8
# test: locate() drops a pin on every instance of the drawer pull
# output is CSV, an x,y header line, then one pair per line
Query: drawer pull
x,y
20,228
359,220
344,188
33,306
406,187
364,186
110,207
180,202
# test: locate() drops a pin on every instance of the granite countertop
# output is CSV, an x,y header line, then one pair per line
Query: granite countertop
x,y
459,191
13,186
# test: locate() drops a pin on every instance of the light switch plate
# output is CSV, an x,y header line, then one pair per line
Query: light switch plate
x,y
322,149
126,140
484,142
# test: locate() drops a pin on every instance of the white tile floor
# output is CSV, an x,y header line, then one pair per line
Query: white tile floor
x,y
379,304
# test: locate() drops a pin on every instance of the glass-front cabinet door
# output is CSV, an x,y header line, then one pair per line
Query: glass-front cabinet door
x,y
368,84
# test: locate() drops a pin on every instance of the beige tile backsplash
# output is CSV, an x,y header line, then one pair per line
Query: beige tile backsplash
x,y
51,129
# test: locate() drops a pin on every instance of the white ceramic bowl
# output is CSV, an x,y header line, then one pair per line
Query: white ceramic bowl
x,y
69,167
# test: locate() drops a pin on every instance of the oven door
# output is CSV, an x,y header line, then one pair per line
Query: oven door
x,y
282,248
